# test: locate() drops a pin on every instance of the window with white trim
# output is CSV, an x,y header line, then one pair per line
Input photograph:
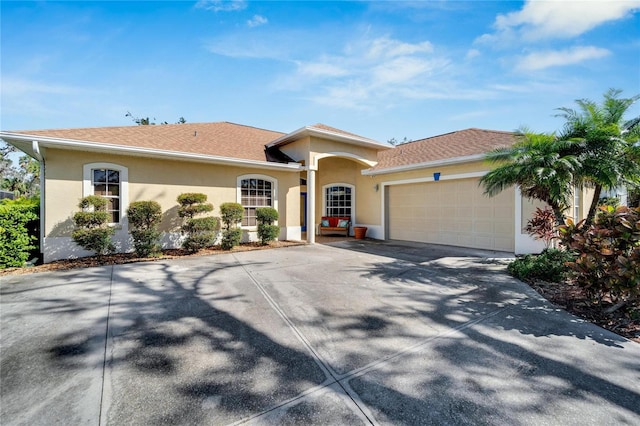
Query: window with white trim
x,y
106,184
109,181
338,200
254,193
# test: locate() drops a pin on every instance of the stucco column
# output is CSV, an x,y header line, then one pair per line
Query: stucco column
x,y
311,206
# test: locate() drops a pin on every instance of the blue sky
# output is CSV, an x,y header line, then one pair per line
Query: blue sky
x,y
384,69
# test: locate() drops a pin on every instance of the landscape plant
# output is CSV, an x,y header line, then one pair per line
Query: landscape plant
x,y
18,228
231,215
267,231
550,266
607,263
200,231
92,230
144,218
542,226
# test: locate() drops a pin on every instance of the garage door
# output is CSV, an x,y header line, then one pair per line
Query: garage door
x,y
451,212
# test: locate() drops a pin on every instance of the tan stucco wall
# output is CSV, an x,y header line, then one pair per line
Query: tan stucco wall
x,y
322,146
333,170
298,150
159,180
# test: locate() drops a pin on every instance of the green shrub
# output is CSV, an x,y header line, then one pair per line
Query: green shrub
x,y
231,238
18,230
189,198
608,253
231,214
93,233
266,215
97,240
144,218
201,232
548,266
267,231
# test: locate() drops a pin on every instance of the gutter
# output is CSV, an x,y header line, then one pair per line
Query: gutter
x,y
38,156
149,152
424,165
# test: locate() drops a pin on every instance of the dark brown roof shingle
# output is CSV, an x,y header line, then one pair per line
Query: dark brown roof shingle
x,y
461,143
218,139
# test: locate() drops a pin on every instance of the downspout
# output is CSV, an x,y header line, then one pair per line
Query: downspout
x,y
38,156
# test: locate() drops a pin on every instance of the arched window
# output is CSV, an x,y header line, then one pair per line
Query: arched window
x,y
109,181
255,191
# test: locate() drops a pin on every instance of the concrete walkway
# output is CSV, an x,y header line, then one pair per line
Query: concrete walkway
x,y
347,333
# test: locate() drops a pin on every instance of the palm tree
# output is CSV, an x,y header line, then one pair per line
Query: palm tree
x,y
541,164
604,143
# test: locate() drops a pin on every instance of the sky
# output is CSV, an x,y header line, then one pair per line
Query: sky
x,y
381,69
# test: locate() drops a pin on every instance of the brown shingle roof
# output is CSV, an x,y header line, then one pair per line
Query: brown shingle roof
x,y
219,139
462,143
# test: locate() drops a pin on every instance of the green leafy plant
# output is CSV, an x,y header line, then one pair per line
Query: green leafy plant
x,y
201,232
267,231
18,226
542,226
92,231
550,265
231,214
144,218
609,201
608,253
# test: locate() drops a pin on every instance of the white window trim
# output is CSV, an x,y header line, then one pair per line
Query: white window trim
x,y
87,186
274,190
353,198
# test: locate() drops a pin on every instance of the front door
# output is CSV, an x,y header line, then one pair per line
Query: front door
x,y
303,211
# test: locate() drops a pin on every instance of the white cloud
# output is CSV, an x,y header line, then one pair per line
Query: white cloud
x,y
472,53
385,47
321,69
556,58
221,5
553,19
366,70
12,86
256,21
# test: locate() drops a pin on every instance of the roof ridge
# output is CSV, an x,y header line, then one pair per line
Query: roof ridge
x,y
504,132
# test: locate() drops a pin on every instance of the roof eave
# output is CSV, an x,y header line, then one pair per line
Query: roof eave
x,y
328,134
146,152
425,165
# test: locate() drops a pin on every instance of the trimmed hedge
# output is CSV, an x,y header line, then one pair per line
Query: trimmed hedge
x,y
231,214
267,231
18,231
201,231
92,232
144,218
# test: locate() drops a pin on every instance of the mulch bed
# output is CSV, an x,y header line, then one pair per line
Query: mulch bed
x,y
122,258
624,321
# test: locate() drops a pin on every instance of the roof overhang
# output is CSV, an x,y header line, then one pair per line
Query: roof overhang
x,y
312,131
425,165
24,142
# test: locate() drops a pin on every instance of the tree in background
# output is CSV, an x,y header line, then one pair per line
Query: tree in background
x,y
146,121
24,179
605,144
596,149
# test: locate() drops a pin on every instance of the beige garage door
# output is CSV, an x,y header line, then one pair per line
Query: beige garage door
x,y
451,212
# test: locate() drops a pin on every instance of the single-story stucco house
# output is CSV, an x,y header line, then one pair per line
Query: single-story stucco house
x,y
426,190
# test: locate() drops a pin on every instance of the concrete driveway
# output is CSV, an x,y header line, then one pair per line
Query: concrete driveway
x,y
352,333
